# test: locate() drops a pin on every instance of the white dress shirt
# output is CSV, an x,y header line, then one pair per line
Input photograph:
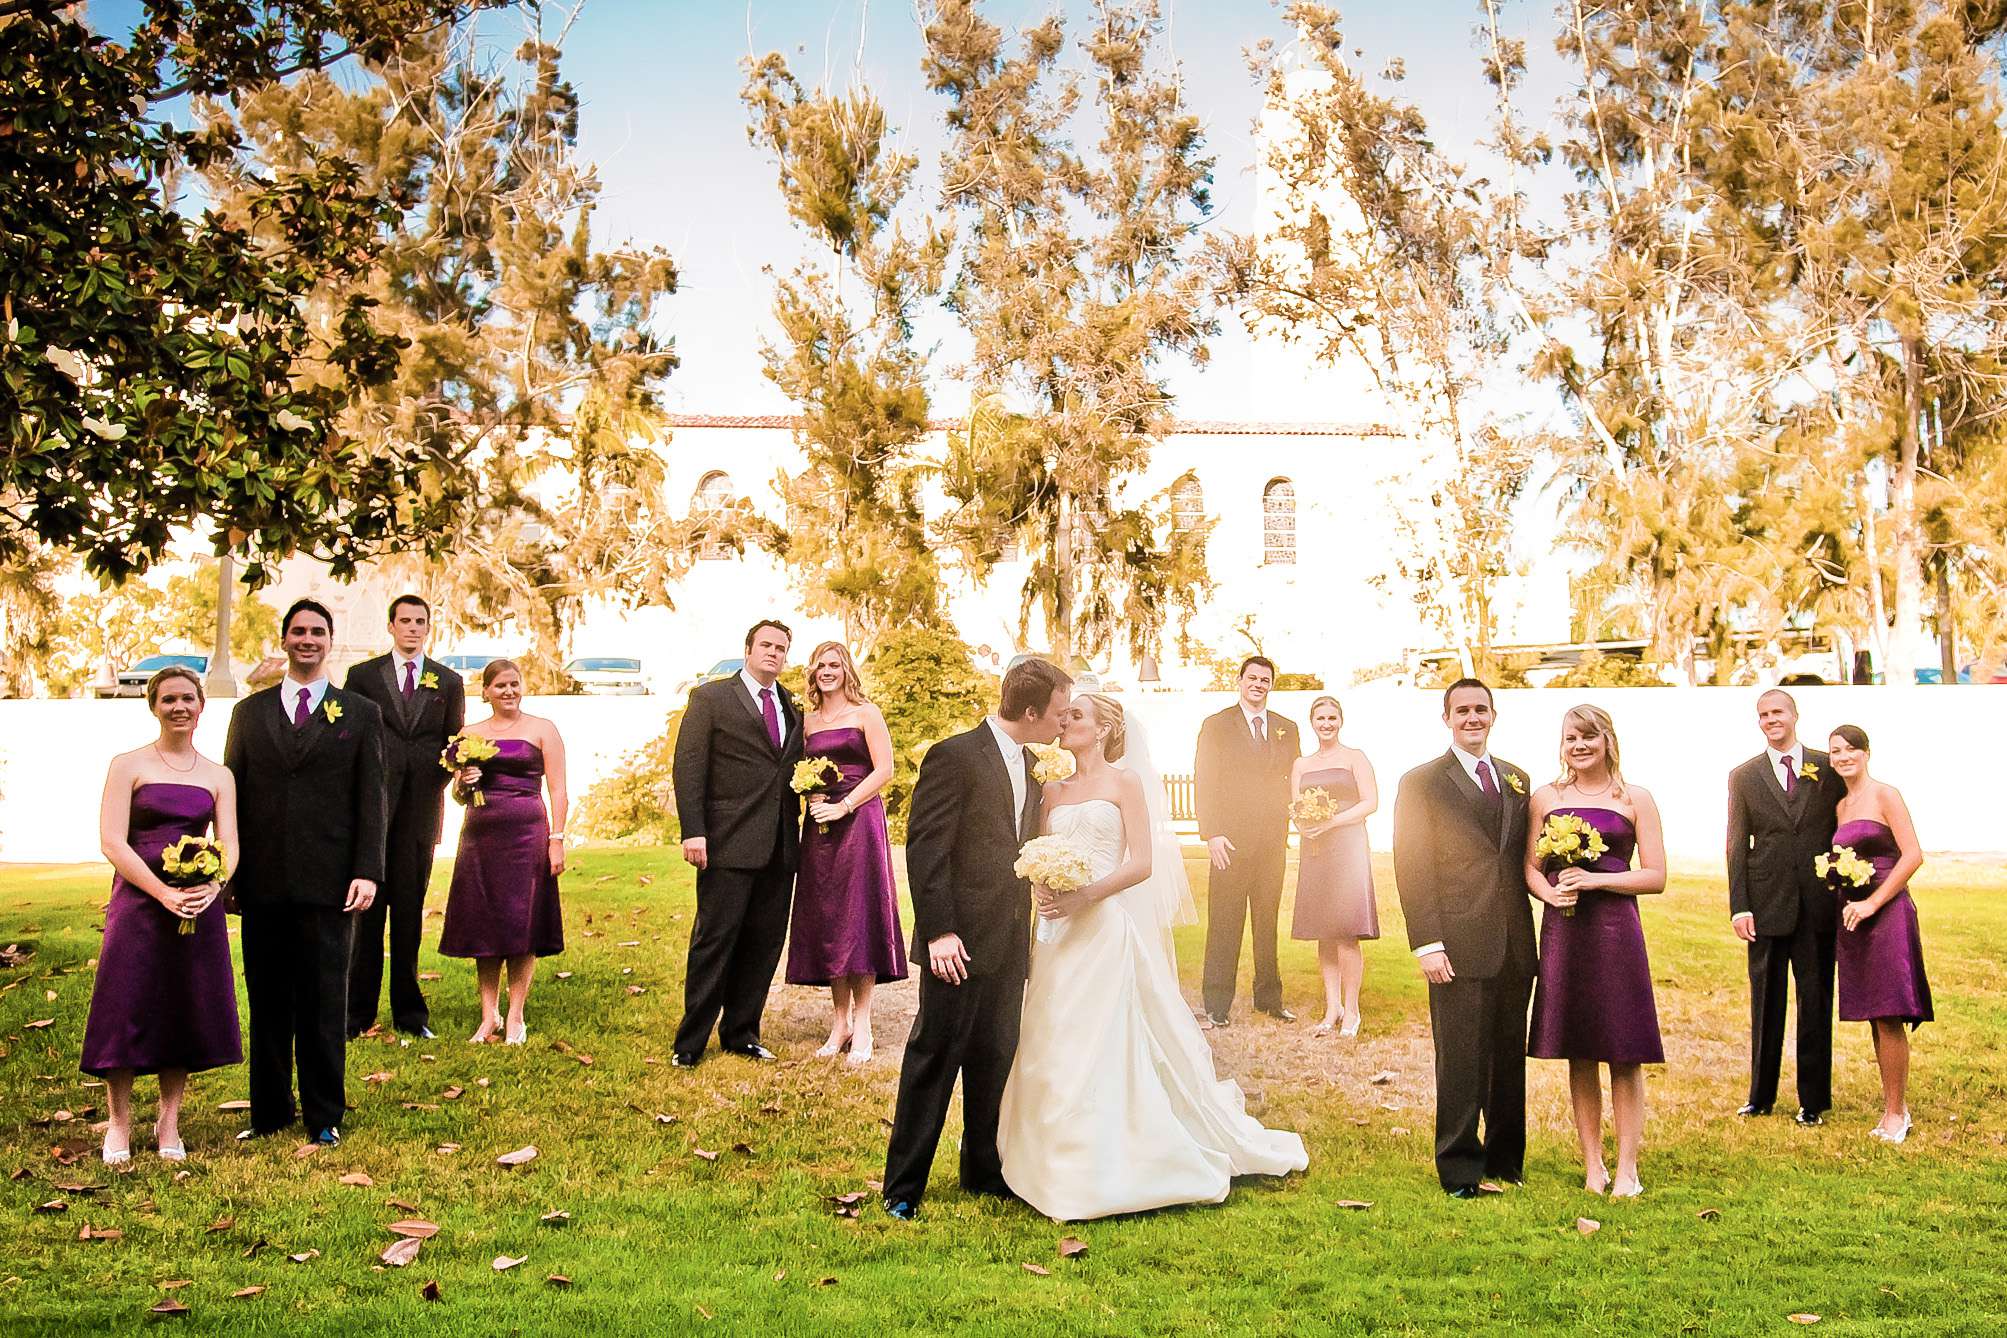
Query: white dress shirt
x,y
1013,758
289,694
1468,761
1251,716
417,663
754,686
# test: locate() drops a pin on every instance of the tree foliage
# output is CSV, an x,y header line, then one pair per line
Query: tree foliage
x,y
927,685
164,365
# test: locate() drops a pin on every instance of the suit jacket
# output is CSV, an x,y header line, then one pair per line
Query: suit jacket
x,y
1243,787
1772,841
414,734
1459,866
732,784
310,805
963,834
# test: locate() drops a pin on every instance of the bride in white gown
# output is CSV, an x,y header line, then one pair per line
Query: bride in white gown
x,y
1112,1104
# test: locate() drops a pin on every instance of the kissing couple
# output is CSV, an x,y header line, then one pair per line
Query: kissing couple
x,y
1089,1091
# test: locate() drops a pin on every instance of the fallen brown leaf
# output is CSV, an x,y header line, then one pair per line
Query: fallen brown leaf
x,y
421,1105
480,1082
1038,1269
304,1255
400,1205
52,1206
69,1187
95,1233
558,1280
707,1156
1803,1317
781,1276
223,1224
1383,1077
306,1149
518,1157
246,1293
251,1252
825,1282
661,1118
454,1093
234,1105
637,989
22,1173
168,1307
564,975
1071,1247
176,1285
416,1228
583,1059
1588,1226
770,1109
556,1219
1489,1187
503,1263
1708,1214
379,1076
40,1023
430,1291
428,975
447,1149
401,1251
356,1178
705,1313
1358,1205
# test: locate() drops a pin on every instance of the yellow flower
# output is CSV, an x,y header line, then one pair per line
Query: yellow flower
x,y
332,709
1806,771
1518,785
1050,762
428,679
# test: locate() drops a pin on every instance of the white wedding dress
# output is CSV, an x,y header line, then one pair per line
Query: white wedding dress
x,y
1112,1104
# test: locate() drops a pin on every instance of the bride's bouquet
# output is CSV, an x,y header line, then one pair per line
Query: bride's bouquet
x,y
1052,762
1568,838
1053,862
468,750
191,862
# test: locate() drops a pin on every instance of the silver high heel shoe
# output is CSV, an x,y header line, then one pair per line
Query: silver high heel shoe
x,y
517,1035
1896,1137
119,1158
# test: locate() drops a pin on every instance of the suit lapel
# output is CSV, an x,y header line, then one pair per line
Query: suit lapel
x,y
1506,807
1772,784
309,734
278,723
400,709
752,704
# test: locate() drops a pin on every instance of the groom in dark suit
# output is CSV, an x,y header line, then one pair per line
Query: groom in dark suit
x,y
741,821
308,759
1459,865
423,703
1242,780
1781,816
974,806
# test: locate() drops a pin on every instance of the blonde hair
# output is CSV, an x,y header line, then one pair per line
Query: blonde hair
x,y
853,687
1595,723
1108,711
1316,702
160,676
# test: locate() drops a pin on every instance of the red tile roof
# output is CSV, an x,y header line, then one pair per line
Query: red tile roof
x,y
1196,427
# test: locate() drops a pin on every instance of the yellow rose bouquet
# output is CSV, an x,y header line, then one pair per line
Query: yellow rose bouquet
x,y
191,862
1843,870
468,750
812,775
1053,862
1565,839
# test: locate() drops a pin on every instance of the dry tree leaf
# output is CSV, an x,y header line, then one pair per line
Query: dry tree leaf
x,y
430,1291
170,1306
1803,1317
234,1105
1588,1226
416,1228
447,1149
246,1293
400,1205
661,1118
1357,1205
584,1059
1708,1214
223,1224
306,1150
1397,1131
261,1243
707,1156
356,1178
304,1255
556,1219
71,1187
22,1173
1383,1077
380,1076
1489,1187
1037,1269
420,1105
770,1109
96,1233
454,1093
1071,1247
558,1280
637,989
177,1284
781,1276
428,975
564,975
503,1263
825,1282
480,1082
52,1206
401,1251
517,1158
705,1313
39,1023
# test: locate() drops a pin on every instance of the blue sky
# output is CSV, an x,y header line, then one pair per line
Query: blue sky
x,y
663,121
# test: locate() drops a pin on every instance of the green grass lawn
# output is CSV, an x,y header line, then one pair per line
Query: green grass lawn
x,y
1742,1224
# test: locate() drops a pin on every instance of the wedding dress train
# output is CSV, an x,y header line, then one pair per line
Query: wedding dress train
x,y
1112,1104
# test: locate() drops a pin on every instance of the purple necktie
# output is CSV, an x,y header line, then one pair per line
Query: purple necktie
x,y
1484,780
772,716
1790,773
410,678
300,711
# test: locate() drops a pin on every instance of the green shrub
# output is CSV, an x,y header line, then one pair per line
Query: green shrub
x,y
1596,670
1299,683
924,681
636,804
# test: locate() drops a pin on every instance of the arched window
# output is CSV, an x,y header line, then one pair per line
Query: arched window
x,y
1188,505
713,495
1278,524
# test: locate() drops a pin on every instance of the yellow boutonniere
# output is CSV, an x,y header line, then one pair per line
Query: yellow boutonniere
x,y
1518,785
428,679
1806,771
332,709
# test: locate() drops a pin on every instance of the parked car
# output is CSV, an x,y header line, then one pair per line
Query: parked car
x,y
722,669
608,676
131,681
468,667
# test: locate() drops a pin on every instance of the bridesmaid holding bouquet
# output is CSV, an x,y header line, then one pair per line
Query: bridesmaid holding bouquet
x,y
165,1000
1334,876
1880,950
845,933
1593,1004
502,908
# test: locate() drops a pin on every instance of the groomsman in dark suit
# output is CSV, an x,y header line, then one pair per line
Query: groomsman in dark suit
x,y
741,821
1242,779
975,804
1781,816
308,759
1459,864
423,703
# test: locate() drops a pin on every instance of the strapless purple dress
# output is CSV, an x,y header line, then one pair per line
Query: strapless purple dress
x,y
1881,963
846,911
1334,877
504,897
1594,998
163,999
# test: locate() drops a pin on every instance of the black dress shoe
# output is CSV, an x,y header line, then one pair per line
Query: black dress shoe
x,y
1279,1014
902,1210
420,1032
1219,1019
1461,1191
1753,1109
680,1060
752,1050
1809,1118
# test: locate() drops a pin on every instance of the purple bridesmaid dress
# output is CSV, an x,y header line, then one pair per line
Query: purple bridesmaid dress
x,y
1594,999
1334,876
1881,963
846,912
163,999
504,897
